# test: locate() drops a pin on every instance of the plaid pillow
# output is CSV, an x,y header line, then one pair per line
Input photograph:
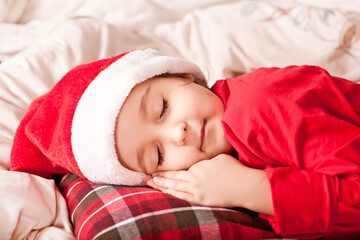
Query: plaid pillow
x,y
100,211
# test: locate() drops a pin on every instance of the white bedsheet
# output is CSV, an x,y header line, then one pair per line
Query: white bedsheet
x,y
40,40
32,208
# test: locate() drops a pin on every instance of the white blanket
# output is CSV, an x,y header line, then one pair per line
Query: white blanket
x,y
40,40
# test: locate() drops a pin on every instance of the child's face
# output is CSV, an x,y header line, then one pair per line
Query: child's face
x,y
169,123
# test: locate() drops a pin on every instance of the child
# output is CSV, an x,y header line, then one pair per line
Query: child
x,y
295,133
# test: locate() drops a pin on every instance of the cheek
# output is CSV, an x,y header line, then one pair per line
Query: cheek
x,y
181,159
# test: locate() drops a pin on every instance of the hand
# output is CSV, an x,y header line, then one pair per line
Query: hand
x,y
208,182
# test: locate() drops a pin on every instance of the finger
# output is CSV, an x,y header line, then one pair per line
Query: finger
x,y
151,183
179,175
175,184
181,195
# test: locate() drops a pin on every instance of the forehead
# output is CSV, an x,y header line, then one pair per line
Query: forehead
x,y
165,80
161,82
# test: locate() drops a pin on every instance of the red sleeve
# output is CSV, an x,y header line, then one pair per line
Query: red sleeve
x,y
311,204
303,127
322,195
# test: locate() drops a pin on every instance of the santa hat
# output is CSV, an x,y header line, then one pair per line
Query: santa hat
x,y
71,128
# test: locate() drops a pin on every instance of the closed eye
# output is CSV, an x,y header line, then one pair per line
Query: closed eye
x,y
160,156
165,107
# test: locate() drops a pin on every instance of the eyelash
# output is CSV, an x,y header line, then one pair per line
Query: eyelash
x,y
163,112
165,107
160,156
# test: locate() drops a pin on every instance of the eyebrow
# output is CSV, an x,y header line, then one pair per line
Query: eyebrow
x,y
144,98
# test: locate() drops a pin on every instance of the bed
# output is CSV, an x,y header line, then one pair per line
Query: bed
x,y
40,40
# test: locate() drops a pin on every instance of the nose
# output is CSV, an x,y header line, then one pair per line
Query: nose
x,y
179,133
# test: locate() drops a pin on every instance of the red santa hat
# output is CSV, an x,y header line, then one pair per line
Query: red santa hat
x,y
71,128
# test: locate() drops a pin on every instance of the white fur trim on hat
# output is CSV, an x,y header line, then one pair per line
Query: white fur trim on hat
x,y
93,127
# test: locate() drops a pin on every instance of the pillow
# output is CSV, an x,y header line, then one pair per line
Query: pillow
x,y
103,211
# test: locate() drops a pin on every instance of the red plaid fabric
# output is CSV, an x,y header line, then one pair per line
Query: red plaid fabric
x,y
119,212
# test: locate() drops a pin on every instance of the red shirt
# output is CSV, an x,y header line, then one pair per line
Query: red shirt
x,y
302,126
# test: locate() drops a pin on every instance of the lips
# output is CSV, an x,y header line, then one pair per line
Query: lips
x,y
202,135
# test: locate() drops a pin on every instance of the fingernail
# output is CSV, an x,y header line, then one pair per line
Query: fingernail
x,y
156,180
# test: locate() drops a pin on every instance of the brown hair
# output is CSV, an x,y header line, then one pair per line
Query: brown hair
x,y
201,82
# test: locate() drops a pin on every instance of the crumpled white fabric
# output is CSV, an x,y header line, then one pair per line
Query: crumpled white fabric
x,y
32,208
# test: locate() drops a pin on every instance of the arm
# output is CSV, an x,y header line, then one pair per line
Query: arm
x,y
320,204
222,181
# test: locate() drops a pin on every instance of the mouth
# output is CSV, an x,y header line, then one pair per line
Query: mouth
x,y
202,134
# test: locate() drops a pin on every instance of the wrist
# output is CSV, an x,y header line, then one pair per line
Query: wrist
x,y
257,192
